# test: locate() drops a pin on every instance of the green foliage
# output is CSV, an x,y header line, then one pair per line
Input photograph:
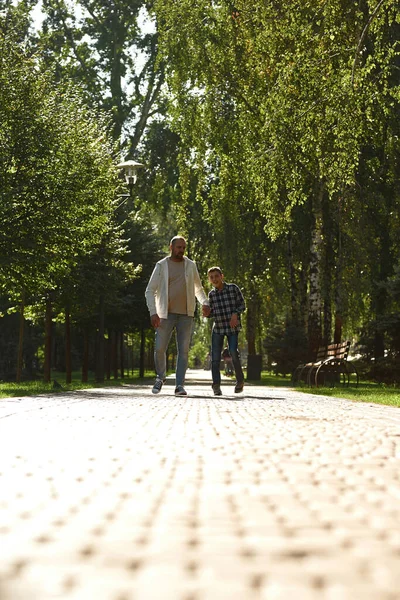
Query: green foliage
x,y
57,174
100,46
275,104
59,236
201,344
286,347
282,131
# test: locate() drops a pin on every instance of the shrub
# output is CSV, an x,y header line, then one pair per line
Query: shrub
x,y
286,347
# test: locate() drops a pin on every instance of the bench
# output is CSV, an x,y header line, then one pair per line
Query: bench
x,y
302,370
335,368
329,367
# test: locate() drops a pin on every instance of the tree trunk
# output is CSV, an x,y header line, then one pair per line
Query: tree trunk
x,y
114,354
108,356
384,260
328,270
251,324
380,306
380,297
293,285
68,367
142,352
303,317
116,75
379,345
47,340
314,307
100,342
254,360
21,338
337,336
85,360
121,354
150,355
154,85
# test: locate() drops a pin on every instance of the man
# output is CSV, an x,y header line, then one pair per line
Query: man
x,y
226,305
170,297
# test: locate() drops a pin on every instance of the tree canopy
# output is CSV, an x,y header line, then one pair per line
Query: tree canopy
x,y
270,133
288,120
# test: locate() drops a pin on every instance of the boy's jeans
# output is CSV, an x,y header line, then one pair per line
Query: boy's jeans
x,y
217,342
183,327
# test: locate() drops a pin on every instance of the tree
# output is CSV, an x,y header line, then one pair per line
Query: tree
x,y
58,180
268,99
100,45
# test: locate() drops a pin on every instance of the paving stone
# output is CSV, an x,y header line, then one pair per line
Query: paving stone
x,y
117,494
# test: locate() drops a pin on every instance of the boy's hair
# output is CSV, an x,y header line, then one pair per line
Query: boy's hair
x,y
176,238
211,269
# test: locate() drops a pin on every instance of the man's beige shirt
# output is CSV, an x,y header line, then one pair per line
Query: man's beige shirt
x,y
177,297
157,288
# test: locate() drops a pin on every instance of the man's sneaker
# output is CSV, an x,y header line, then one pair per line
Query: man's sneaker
x,y
239,387
180,391
216,389
157,386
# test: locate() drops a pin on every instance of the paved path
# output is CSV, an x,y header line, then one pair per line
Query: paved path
x,y
117,494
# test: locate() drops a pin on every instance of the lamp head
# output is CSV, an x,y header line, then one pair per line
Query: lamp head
x,y
130,167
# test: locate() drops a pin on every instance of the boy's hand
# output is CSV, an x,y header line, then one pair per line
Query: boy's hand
x,y
234,321
206,310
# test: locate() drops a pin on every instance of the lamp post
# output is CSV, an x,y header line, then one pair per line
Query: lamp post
x,y
131,168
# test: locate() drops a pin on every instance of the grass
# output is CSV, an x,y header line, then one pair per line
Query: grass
x,y
34,388
366,391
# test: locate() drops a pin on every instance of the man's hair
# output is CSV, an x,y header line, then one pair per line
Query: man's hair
x,y
211,269
176,238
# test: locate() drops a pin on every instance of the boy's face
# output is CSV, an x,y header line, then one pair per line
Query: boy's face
x,y
216,278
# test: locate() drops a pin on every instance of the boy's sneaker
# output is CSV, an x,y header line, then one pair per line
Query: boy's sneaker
x,y
216,389
180,391
157,386
239,387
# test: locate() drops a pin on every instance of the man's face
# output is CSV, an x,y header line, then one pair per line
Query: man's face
x,y
178,249
216,278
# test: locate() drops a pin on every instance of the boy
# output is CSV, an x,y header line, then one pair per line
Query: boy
x,y
226,305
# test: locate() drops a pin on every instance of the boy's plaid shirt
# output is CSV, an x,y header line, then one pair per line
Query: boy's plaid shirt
x,y
223,304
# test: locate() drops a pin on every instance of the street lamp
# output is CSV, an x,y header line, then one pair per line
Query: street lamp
x,y
130,167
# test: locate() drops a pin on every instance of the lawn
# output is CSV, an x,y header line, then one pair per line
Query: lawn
x,y
33,388
365,392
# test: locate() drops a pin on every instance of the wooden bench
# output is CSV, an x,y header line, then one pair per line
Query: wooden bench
x,y
335,368
329,367
301,371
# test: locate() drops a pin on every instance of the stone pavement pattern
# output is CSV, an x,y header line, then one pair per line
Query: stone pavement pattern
x,y
116,494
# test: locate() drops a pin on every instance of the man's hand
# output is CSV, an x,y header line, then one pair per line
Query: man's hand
x,y
155,321
234,321
206,310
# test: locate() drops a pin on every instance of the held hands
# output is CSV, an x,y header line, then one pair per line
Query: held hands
x,y
206,310
234,321
155,321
